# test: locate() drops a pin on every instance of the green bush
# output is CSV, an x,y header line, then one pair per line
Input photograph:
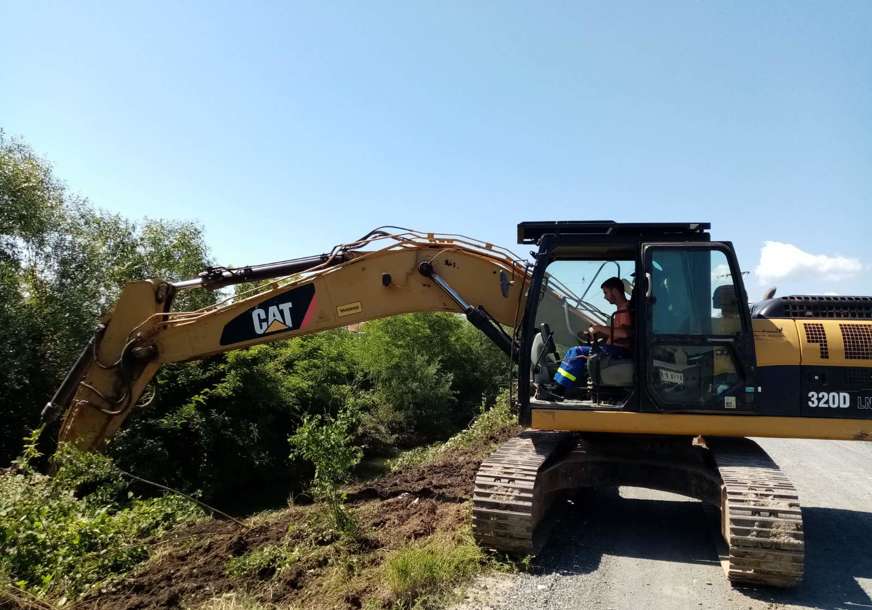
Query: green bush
x,y
64,535
62,263
428,373
326,443
220,427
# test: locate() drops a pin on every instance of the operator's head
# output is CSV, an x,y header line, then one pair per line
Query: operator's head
x,y
613,291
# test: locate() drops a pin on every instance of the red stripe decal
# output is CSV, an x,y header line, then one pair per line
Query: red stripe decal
x,y
310,312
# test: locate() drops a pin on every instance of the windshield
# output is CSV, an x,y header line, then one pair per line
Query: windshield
x,y
562,306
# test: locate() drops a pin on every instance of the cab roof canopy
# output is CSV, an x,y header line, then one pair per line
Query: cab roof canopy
x,y
531,232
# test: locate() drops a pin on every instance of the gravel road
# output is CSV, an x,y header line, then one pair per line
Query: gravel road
x,y
653,550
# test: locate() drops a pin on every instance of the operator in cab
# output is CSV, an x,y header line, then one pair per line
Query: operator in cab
x,y
618,339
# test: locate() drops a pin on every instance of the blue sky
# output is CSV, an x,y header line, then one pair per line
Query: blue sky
x,y
286,128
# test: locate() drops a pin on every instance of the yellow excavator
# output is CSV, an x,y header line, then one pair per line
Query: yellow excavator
x,y
706,369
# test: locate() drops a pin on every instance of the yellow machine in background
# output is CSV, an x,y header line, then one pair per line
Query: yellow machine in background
x,y
706,369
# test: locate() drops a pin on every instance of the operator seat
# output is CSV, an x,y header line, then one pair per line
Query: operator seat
x,y
607,370
543,365
728,322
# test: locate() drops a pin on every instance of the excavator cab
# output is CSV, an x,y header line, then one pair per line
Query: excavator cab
x,y
565,324
656,419
693,346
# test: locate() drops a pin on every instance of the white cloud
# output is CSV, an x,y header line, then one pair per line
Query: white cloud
x,y
721,274
780,261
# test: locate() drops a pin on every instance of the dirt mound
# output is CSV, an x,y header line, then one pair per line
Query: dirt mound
x,y
189,565
448,480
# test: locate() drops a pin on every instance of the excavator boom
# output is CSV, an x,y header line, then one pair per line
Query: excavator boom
x,y
380,275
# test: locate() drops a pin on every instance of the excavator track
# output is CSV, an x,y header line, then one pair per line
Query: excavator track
x,y
760,515
761,520
508,499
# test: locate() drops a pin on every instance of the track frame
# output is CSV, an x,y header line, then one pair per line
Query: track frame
x,y
761,517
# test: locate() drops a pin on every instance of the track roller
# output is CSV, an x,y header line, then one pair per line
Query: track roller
x,y
509,501
761,519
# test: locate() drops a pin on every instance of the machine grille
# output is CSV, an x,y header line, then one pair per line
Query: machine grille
x,y
812,306
858,341
828,307
857,377
814,333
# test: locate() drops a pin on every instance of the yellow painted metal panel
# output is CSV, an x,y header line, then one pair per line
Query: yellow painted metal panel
x,y
813,342
840,342
776,342
706,425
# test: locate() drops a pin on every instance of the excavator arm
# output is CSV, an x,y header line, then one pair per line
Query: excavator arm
x,y
407,272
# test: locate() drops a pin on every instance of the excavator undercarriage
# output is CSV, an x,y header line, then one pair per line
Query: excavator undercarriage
x,y
761,520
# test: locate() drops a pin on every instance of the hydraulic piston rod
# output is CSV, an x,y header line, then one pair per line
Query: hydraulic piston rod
x,y
477,316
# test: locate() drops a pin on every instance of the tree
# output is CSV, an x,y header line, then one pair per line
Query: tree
x,y
31,202
62,264
429,373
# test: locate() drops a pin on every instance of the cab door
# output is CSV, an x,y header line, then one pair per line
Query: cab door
x,y
699,348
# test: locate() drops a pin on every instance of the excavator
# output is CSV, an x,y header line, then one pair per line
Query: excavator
x,y
707,369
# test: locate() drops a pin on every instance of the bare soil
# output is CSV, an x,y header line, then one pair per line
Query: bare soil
x,y
189,565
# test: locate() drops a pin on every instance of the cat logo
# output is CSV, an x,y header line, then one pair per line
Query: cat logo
x,y
272,319
283,313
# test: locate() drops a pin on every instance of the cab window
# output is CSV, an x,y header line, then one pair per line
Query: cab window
x,y
572,299
694,293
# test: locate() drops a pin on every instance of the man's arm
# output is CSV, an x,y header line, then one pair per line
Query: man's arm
x,y
599,330
621,332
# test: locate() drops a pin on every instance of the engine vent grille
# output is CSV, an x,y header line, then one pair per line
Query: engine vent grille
x,y
828,307
814,333
799,306
858,341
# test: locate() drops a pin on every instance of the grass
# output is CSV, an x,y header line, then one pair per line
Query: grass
x,y
481,436
422,574
14,597
231,601
263,561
